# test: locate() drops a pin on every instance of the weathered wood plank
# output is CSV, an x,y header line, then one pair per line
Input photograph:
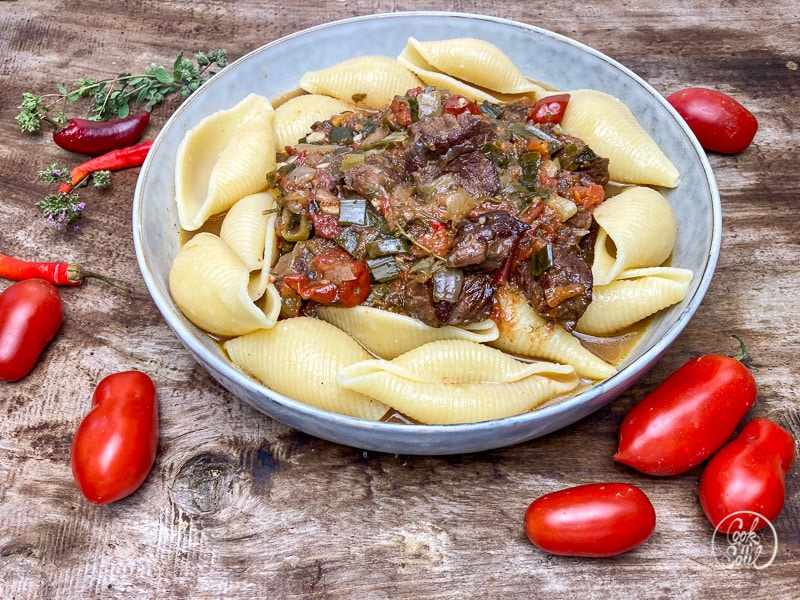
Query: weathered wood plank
x,y
240,506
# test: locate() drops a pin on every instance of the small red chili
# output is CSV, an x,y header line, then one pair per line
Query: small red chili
x,y
98,137
57,273
550,109
123,158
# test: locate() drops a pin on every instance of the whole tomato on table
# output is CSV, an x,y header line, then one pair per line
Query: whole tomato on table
x,y
592,520
689,416
720,122
115,446
31,313
748,476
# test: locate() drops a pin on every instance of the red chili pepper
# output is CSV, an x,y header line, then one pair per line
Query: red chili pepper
x,y
98,137
123,158
57,273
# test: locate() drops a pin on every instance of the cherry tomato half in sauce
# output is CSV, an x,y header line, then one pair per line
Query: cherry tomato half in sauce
x,y
31,313
549,109
115,445
689,416
748,476
720,122
593,520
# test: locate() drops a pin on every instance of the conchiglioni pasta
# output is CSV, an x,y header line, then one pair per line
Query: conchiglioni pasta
x,y
389,335
294,118
300,358
411,59
244,228
637,229
611,129
209,284
223,159
475,61
634,295
503,358
524,333
458,381
366,81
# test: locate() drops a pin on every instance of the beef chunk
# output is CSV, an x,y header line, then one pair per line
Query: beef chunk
x,y
473,305
562,292
451,143
418,303
483,243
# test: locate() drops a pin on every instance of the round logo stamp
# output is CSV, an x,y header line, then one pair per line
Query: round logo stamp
x,y
745,539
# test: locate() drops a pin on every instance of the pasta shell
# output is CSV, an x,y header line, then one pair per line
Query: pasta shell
x,y
633,296
223,159
300,358
457,381
389,335
294,118
209,285
244,228
524,333
367,81
476,61
611,130
637,229
411,60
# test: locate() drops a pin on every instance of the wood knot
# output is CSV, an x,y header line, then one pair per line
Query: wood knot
x,y
204,484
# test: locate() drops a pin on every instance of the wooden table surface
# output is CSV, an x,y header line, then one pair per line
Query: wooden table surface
x,y
240,506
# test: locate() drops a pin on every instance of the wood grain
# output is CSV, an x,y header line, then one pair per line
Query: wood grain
x,y
240,506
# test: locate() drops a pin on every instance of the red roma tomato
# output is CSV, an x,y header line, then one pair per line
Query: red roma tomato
x,y
689,416
549,109
115,445
748,475
720,123
31,313
597,519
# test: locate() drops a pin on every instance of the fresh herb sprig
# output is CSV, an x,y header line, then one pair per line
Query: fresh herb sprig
x,y
114,97
64,209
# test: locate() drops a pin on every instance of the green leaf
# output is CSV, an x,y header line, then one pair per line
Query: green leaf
x,y
160,73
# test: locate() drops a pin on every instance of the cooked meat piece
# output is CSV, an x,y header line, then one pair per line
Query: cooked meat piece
x,y
418,303
476,173
561,293
482,243
473,305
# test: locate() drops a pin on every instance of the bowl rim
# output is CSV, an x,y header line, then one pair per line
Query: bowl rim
x,y
564,412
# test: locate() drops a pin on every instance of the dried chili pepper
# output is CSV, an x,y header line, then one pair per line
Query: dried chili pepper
x,y
57,273
115,160
85,136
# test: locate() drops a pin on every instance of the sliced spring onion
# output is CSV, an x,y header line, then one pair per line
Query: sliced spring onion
x,y
528,131
348,238
353,211
429,103
564,207
293,227
352,160
384,246
393,139
491,110
530,163
542,260
341,135
383,269
274,176
447,285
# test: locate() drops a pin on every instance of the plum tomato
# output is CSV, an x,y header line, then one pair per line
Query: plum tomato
x,y
720,122
748,476
592,520
688,417
115,445
31,313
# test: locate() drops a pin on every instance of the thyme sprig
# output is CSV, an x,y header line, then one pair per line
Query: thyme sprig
x,y
64,209
116,96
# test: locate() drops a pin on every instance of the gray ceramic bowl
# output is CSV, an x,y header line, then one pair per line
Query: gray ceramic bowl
x,y
274,70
